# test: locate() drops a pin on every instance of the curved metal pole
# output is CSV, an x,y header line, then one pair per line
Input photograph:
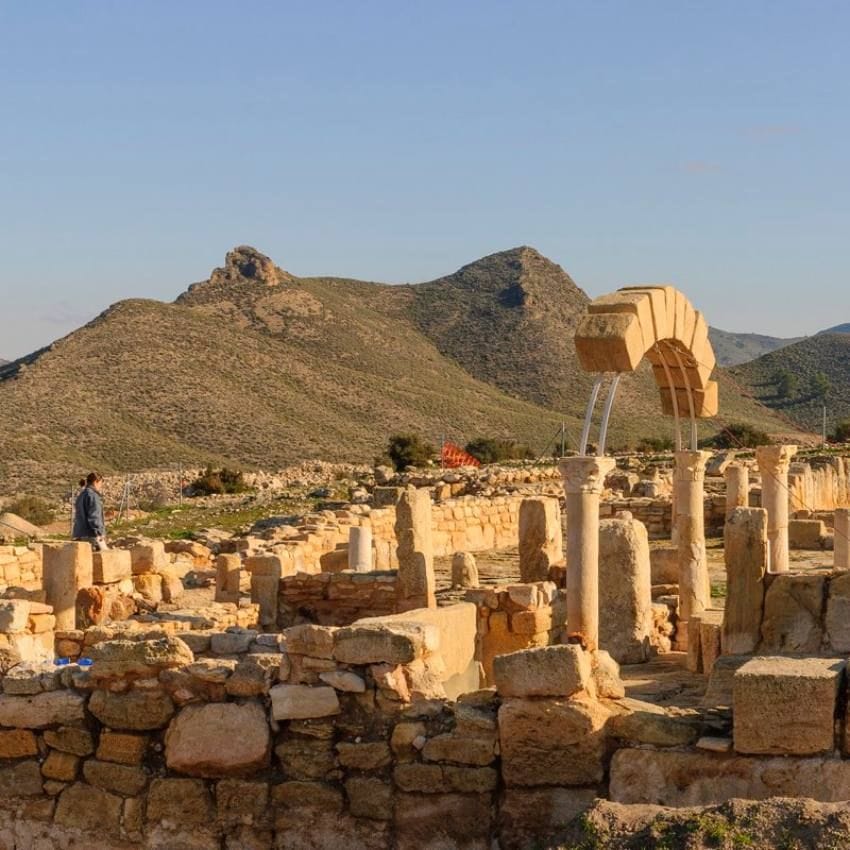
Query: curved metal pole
x,y
588,416
606,414
678,357
673,395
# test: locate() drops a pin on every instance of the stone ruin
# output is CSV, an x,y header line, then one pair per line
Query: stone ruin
x,y
333,690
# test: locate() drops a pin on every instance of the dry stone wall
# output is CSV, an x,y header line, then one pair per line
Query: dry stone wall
x,y
21,567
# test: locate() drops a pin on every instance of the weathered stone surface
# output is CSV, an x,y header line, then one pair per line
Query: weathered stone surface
x,y
218,739
124,779
376,643
67,568
22,779
542,671
344,680
149,585
307,795
415,550
638,722
664,565
17,743
792,614
745,553
138,659
60,766
254,675
786,706
606,675
530,817
14,614
806,533
290,702
51,708
70,740
460,749
464,570
121,747
309,639
370,755
233,641
148,557
434,821
305,759
111,566
699,778
227,570
369,797
552,742
179,802
540,541
89,809
136,710
625,591
838,613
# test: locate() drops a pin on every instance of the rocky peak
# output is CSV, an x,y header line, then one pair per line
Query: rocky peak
x,y
245,263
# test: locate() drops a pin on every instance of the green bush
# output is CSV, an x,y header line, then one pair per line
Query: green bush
x,y
406,450
786,383
33,510
650,445
491,450
738,435
842,432
218,482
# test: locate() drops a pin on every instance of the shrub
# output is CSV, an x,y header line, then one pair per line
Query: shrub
x,y
738,435
408,450
842,432
217,482
33,510
491,450
786,383
820,386
649,445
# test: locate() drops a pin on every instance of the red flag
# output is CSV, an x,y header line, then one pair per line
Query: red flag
x,y
453,456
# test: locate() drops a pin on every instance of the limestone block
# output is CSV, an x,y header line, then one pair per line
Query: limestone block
x,y
17,743
39,711
442,821
136,710
291,702
609,342
111,566
14,615
149,585
552,742
148,557
786,706
124,779
533,817
664,564
89,809
369,797
309,639
540,538
67,568
644,723
745,552
392,643
806,533
464,570
842,539
227,574
218,739
121,747
557,671
415,550
792,614
137,659
179,801
625,594
838,613
264,591
634,302
710,629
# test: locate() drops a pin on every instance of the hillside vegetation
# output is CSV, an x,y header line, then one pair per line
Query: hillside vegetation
x,y
820,366
256,368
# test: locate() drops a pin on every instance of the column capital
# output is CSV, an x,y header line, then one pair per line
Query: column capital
x,y
775,459
690,466
585,474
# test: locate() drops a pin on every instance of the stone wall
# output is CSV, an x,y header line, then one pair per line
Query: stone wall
x,y
657,514
820,484
320,738
21,566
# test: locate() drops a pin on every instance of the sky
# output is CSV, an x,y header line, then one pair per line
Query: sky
x,y
699,144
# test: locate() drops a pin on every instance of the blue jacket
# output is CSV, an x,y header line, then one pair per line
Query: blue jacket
x,y
88,515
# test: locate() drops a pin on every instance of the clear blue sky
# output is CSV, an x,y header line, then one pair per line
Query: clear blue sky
x,y
704,144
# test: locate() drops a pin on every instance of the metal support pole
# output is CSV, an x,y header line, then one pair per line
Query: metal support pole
x,y
606,414
588,416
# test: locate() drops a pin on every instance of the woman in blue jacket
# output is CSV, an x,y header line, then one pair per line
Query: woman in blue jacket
x,y
89,524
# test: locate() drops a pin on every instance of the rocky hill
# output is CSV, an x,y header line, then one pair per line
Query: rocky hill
x,y
732,349
255,367
825,353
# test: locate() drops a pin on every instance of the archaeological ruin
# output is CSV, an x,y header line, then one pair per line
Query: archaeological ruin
x,y
464,659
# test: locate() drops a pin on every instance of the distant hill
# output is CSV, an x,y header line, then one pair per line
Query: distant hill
x,y
838,329
827,353
732,349
255,367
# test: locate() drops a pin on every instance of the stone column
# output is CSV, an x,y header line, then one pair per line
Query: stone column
x,y
694,586
360,548
774,462
842,539
625,591
737,487
415,550
584,478
745,552
227,569
67,568
540,543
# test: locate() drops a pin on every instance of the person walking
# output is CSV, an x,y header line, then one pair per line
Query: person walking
x,y
89,525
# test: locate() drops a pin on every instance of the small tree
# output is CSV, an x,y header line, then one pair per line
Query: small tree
x,y
33,510
217,482
786,383
842,432
738,435
490,450
408,450
821,386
